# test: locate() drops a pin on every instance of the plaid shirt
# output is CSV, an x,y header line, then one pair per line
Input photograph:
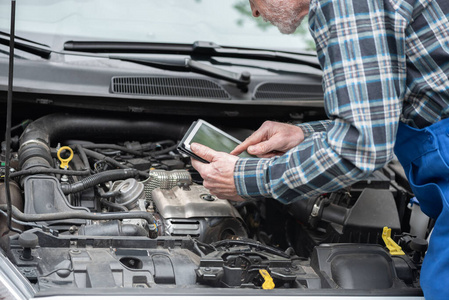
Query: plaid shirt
x,y
383,61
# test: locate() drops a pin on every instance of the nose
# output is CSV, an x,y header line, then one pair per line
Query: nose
x,y
256,13
254,10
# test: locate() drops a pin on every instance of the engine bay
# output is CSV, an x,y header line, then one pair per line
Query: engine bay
x,y
103,203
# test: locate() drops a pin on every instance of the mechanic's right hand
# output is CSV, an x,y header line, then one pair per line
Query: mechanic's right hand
x,y
271,139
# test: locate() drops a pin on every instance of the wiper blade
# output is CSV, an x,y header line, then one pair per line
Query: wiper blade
x,y
127,47
189,65
26,45
198,48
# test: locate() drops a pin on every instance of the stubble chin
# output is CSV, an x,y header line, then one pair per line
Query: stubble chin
x,y
288,27
286,19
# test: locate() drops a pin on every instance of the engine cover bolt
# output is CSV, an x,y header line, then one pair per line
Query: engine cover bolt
x,y
207,197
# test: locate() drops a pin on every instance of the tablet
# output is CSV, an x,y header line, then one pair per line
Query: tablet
x,y
204,133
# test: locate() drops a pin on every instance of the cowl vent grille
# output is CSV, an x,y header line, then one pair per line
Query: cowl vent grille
x,y
288,91
168,87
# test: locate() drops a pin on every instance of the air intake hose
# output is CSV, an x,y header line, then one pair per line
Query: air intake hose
x,y
35,141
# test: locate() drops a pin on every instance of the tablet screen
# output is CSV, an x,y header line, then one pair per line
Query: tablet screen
x,y
212,137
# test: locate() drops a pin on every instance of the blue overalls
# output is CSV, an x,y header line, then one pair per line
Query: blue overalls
x,y
424,154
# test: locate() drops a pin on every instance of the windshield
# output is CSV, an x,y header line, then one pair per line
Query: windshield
x,y
225,22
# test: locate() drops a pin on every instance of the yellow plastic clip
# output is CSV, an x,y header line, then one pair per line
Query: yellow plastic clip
x,y
65,161
394,248
268,284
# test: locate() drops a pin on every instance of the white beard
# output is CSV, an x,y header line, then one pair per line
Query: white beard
x,y
283,15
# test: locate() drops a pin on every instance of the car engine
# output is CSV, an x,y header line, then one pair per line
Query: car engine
x,y
107,202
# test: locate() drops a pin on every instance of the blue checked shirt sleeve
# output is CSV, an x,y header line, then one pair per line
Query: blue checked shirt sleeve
x,y
360,48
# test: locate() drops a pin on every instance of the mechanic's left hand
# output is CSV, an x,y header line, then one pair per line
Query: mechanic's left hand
x,y
218,175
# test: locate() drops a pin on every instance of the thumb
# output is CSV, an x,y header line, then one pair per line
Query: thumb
x,y
261,148
203,151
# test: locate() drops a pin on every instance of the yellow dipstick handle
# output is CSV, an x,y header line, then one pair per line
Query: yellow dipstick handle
x,y
268,284
394,248
65,161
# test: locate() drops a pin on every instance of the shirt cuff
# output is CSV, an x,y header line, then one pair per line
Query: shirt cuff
x,y
250,178
312,127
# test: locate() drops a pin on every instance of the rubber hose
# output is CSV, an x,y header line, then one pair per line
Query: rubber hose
x,y
83,156
114,205
95,179
43,170
36,139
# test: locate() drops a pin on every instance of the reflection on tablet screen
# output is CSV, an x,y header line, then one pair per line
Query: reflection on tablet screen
x,y
216,140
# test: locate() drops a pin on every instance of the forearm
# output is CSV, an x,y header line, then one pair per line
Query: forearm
x,y
312,168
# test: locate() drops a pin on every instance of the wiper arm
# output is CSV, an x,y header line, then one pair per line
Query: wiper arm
x,y
240,79
26,45
23,39
212,49
198,48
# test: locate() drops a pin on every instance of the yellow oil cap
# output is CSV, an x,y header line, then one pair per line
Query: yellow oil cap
x,y
65,161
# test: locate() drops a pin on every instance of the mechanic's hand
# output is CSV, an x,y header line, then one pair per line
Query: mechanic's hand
x,y
271,139
218,175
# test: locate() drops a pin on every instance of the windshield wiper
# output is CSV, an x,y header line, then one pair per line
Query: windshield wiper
x,y
26,45
189,65
198,48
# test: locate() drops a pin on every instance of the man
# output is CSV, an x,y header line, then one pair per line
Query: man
x,y
386,90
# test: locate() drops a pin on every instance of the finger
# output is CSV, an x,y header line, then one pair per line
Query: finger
x,y
253,139
203,151
263,147
238,150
